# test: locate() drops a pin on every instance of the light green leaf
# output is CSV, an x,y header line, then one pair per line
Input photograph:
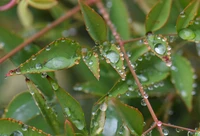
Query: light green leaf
x,y
13,127
114,56
22,56
69,131
60,54
24,14
187,15
197,133
47,112
120,18
92,61
95,25
42,4
182,77
131,116
71,108
158,15
22,107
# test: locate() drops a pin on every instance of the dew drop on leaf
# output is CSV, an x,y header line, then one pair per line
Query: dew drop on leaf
x,y
165,132
142,78
38,66
24,127
54,86
48,48
112,56
44,75
67,111
182,14
16,133
103,107
58,63
187,34
143,102
160,48
78,124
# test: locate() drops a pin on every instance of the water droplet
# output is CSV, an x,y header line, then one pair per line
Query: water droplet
x,y
129,54
140,59
187,34
189,133
128,94
146,95
112,56
63,40
17,71
142,78
178,130
58,63
78,124
48,48
144,123
150,87
108,4
67,111
169,63
33,57
16,133
2,45
54,86
90,62
183,93
44,75
130,88
93,113
78,87
103,106
24,127
38,66
174,68
143,102
182,14
165,131
160,48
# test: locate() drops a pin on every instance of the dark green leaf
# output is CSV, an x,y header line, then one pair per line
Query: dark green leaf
x,y
132,117
95,25
187,15
11,127
47,112
158,15
69,129
92,61
71,108
120,18
114,56
22,56
182,77
22,107
60,54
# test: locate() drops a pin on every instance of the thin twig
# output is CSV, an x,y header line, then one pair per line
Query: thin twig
x,y
181,128
121,44
67,15
148,130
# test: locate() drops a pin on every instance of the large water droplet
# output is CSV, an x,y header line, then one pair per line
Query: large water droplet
x,y
58,63
165,132
38,66
16,133
112,56
67,111
160,48
187,34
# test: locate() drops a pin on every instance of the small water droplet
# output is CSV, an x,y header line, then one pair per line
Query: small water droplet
x,y
146,95
67,111
44,75
144,123
103,106
150,87
38,66
2,45
140,59
90,62
169,63
143,102
93,113
33,57
130,88
182,14
54,86
178,130
16,133
24,127
63,40
128,94
160,48
112,56
142,78
48,48
183,93
165,131
78,87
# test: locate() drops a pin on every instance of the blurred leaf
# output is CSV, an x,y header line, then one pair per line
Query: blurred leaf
x,y
197,133
69,129
60,54
42,4
91,59
132,117
24,14
123,131
182,77
13,127
98,118
71,108
120,18
159,46
47,112
158,15
22,107
95,25
187,15
23,55
114,56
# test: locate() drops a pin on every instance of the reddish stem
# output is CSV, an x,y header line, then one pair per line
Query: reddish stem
x,y
8,5
182,128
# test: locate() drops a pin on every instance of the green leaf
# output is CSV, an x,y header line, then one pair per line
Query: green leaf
x,y
92,61
95,25
22,107
114,56
197,133
69,131
187,15
98,118
159,46
60,54
47,112
24,14
120,18
132,117
44,4
158,15
182,78
71,108
22,56
123,131
11,127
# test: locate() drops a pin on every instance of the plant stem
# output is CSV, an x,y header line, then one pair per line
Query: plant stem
x,y
148,130
67,15
121,44
182,128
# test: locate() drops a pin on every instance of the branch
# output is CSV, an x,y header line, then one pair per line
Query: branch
x,y
67,15
8,5
182,128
